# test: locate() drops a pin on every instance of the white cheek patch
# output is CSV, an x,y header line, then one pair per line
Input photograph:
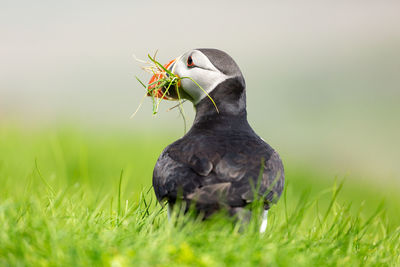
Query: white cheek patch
x,y
205,79
205,74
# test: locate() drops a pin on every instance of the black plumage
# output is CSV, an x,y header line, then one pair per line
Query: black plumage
x,y
221,160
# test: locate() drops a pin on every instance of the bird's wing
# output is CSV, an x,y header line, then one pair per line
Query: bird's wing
x,y
237,180
269,183
174,177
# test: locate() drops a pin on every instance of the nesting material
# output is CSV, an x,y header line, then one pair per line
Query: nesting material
x,y
164,85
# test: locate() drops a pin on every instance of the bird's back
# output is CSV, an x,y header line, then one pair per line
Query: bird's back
x,y
219,168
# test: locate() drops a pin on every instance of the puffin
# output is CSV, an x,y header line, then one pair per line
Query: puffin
x,y
220,163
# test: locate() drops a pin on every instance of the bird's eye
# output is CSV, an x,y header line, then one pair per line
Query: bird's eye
x,y
190,62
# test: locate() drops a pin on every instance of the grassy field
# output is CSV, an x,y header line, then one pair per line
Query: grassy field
x,y
72,197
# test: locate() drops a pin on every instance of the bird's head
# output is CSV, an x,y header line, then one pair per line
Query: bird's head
x,y
205,71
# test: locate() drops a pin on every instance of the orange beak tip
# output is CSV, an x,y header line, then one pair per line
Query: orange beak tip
x,y
153,81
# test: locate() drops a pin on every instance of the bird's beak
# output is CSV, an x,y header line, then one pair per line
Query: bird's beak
x,y
160,92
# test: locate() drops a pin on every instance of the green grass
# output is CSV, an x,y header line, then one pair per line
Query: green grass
x,y
63,202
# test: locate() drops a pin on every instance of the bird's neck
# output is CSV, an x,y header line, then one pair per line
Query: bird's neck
x,y
229,111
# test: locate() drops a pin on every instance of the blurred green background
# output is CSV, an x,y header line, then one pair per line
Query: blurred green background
x,y
323,85
323,89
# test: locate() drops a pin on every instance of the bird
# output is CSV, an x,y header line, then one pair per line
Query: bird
x,y
220,163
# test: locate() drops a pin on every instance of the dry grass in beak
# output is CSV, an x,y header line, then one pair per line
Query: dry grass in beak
x,y
161,84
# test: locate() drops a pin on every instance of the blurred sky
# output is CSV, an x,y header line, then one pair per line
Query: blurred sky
x,y
323,77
